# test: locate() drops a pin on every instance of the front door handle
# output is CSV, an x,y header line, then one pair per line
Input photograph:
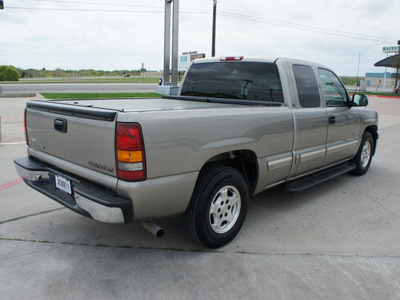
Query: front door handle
x,y
332,120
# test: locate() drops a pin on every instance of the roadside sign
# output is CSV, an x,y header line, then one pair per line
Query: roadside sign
x,y
391,49
184,62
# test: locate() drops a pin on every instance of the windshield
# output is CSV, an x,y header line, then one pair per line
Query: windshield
x,y
234,80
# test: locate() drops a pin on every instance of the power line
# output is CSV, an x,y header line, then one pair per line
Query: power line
x,y
312,28
82,9
99,3
101,10
228,14
305,27
308,26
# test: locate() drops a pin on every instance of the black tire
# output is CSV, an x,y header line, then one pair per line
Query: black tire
x,y
218,206
363,158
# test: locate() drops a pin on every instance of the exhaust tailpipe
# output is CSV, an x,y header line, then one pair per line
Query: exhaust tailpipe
x,y
154,229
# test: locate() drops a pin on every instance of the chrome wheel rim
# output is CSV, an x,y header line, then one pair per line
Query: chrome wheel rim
x,y
366,154
225,209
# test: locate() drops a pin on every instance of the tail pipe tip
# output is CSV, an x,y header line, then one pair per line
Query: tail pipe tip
x,y
153,228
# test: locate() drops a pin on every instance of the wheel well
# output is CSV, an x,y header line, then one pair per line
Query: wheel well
x,y
245,161
374,131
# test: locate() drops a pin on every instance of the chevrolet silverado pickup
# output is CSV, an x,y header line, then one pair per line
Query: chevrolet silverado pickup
x,y
237,127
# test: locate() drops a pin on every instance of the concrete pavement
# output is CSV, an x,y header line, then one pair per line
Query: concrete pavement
x,y
338,240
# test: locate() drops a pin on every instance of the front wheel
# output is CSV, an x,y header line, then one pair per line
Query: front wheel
x,y
218,206
363,158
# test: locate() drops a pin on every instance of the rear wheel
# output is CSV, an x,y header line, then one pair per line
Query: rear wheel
x,y
218,206
363,158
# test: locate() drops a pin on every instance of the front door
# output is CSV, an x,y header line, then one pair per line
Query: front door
x,y
343,120
311,124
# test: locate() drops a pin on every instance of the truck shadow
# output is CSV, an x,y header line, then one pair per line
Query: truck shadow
x,y
271,216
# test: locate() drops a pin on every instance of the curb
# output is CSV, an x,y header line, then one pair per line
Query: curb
x,y
20,95
381,96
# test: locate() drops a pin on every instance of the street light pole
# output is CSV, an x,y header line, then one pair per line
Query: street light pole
x,y
167,41
214,27
166,87
175,35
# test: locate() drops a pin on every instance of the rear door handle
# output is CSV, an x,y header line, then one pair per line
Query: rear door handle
x,y
332,120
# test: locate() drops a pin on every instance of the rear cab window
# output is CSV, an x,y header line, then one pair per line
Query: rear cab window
x,y
307,86
253,81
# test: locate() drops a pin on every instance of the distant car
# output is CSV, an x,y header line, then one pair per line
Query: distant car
x,y
127,75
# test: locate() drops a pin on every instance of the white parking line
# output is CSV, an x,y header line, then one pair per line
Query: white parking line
x,y
16,143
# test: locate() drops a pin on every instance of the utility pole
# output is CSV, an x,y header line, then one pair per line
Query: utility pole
x,y
358,71
214,27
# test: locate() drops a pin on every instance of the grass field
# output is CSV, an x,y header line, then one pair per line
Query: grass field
x,y
58,96
351,80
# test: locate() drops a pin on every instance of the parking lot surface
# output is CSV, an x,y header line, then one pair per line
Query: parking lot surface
x,y
338,240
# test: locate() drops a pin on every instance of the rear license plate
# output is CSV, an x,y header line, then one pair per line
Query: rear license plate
x,y
63,184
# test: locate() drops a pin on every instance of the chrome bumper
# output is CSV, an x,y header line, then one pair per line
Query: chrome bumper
x,y
87,199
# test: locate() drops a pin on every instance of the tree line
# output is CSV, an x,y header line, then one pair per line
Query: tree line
x,y
10,73
60,73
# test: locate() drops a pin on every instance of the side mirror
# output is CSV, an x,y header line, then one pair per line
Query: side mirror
x,y
360,100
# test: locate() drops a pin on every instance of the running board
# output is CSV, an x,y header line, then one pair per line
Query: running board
x,y
309,181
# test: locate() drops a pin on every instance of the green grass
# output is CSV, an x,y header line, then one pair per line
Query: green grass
x,y
118,80
351,80
59,96
380,94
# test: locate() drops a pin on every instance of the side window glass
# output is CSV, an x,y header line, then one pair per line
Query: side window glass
x,y
334,92
307,86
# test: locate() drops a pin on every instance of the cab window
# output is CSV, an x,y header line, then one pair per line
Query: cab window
x,y
234,80
334,92
307,87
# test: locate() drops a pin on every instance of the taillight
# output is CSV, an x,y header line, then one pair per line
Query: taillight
x,y
130,155
231,58
26,129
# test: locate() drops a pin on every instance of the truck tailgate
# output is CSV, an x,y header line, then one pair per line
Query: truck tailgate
x,y
81,135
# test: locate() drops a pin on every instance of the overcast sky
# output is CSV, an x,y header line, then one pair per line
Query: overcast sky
x,y
122,34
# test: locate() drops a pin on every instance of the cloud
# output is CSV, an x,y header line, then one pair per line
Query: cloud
x,y
314,30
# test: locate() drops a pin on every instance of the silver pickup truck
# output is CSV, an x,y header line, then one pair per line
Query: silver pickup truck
x,y
237,127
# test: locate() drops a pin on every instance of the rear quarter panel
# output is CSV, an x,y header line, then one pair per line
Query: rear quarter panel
x,y
179,142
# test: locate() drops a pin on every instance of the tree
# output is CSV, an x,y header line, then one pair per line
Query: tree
x,y
8,73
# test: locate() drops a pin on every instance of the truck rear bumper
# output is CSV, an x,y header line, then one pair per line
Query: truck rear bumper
x,y
87,199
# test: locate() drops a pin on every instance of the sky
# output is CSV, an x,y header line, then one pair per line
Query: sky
x,y
345,35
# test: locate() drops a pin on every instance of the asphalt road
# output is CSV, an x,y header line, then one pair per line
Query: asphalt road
x,y
78,88
338,240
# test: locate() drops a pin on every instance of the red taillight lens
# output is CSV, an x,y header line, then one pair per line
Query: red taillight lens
x,y
130,154
26,129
